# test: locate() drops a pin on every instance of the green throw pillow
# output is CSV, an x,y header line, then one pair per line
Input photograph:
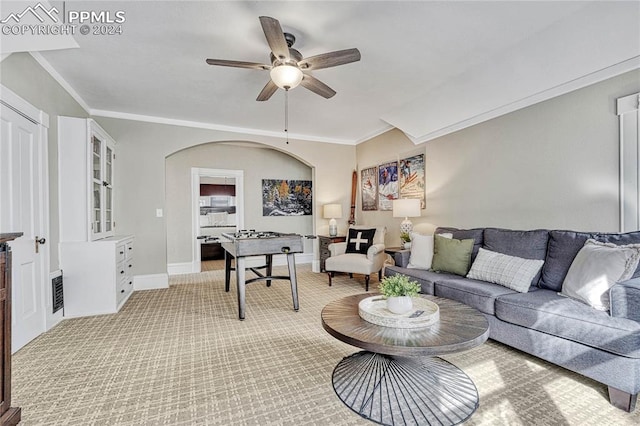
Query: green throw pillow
x,y
451,255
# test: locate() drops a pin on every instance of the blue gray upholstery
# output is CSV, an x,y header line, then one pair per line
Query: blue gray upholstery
x,y
477,294
545,311
625,300
604,346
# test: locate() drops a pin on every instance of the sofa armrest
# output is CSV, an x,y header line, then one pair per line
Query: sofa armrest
x,y
402,258
337,248
374,250
625,299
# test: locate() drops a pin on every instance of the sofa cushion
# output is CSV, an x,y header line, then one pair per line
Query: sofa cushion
x,y
620,240
565,245
562,249
451,255
525,244
477,234
547,312
424,278
512,272
477,294
596,268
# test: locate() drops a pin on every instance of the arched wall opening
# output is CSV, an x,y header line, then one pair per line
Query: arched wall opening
x,y
254,162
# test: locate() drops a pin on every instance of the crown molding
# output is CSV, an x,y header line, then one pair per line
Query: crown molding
x,y
214,126
61,81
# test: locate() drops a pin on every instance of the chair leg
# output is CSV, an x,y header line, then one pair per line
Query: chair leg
x,y
351,276
380,275
366,282
330,275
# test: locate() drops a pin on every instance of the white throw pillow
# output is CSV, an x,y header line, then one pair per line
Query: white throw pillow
x,y
422,250
512,272
596,268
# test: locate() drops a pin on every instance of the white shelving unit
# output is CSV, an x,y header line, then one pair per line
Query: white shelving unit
x,y
97,265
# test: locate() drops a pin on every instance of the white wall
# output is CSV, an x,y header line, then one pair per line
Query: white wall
x,y
257,164
551,165
142,149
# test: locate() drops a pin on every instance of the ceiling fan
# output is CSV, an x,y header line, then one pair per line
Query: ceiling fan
x,y
288,67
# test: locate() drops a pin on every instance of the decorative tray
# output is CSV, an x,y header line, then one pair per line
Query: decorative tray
x,y
423,314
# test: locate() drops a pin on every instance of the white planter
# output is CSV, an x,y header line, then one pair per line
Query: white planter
x,y
399,305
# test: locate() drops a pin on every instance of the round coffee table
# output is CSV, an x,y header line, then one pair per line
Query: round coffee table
x,y
399,379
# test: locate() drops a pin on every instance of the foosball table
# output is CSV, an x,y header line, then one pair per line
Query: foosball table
x,y
242,244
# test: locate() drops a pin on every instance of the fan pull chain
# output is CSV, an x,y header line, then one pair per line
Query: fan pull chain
x,y
286,114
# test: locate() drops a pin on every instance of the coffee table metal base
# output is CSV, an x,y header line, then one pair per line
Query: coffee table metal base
x,y
405,391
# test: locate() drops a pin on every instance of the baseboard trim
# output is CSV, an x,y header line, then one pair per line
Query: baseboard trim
x,y
150,282
180,268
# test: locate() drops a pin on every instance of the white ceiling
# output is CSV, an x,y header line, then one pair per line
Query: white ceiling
x,y
427,67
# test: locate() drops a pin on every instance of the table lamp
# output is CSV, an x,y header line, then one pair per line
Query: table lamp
x,y
406,207
333,211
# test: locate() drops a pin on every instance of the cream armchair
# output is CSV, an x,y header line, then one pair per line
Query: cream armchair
x,y
358,263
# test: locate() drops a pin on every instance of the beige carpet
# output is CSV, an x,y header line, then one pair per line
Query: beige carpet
x,y
181,357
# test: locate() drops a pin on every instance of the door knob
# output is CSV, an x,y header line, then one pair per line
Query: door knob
x,y
39,241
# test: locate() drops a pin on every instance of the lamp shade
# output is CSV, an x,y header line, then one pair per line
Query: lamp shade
x,y
406,207
286,76
332,211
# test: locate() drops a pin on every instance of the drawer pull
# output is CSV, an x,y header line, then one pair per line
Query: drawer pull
x,y
130,282
122,272
130,248
121,252
122,291
130,266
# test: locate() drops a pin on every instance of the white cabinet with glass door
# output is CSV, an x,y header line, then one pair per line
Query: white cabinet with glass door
x,y
86,155
102,186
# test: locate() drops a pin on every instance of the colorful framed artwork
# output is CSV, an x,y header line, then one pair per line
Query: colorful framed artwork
x,y
387,185
369,187
412,178
284,197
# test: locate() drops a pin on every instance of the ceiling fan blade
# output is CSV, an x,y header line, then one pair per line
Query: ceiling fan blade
x,y
238,64
268,90
316,86
331,59
275,37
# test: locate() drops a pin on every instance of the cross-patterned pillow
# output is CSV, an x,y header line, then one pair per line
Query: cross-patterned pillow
x,y
359,240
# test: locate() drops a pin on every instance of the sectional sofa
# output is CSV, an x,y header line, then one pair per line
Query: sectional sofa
x,y
602,345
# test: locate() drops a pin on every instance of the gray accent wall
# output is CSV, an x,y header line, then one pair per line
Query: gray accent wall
x,y
550,165
256,163
24,76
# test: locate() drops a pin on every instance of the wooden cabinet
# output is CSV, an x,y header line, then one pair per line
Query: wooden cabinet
x,y
9,415
324,242
98,275
86,156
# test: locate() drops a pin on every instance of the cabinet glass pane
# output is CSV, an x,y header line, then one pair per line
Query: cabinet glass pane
x,y
97,152
97,225
108,167
107,208
96,195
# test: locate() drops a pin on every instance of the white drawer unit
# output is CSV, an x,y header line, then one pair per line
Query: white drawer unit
x,y
98,275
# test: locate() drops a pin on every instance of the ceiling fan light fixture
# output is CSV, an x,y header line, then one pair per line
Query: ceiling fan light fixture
x,y
286,76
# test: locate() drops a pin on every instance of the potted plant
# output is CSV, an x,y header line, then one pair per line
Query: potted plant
x,y
398,290
405,237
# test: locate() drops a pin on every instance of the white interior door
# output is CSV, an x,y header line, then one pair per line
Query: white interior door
x,y
22,209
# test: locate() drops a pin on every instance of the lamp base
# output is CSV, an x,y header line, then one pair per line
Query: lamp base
x,y
333,228
406,226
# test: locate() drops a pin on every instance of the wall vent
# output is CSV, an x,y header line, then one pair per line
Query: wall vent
x,y
57,292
